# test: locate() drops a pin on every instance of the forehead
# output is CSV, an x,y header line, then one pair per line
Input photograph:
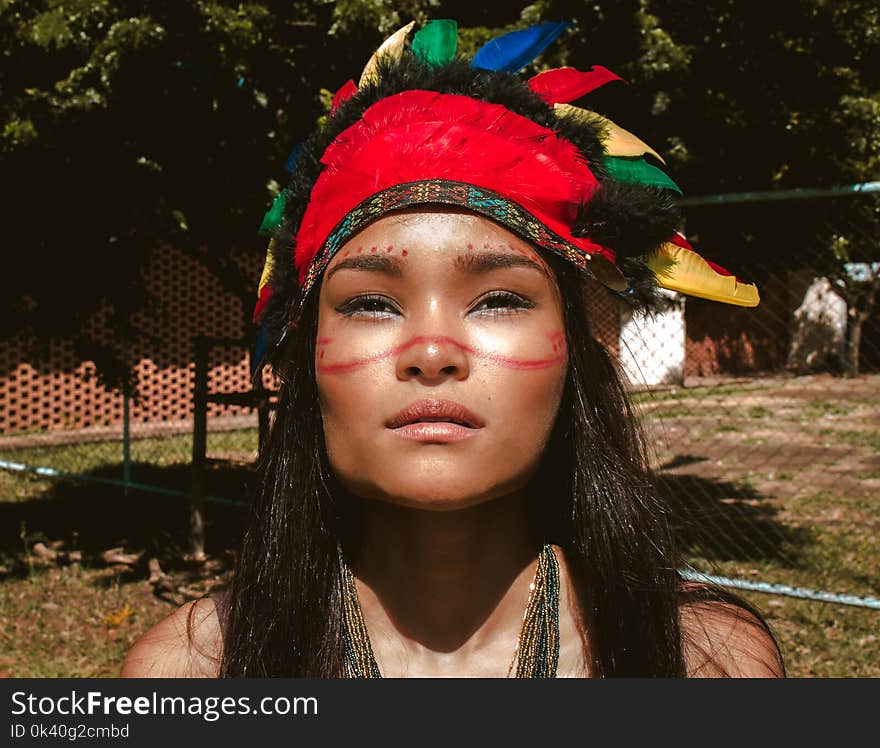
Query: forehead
x,y
436,234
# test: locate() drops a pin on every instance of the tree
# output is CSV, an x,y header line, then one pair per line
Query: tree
x,y
743,96
858,284
127,123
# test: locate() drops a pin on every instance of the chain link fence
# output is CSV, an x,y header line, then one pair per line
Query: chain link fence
x,y
767,453
768,446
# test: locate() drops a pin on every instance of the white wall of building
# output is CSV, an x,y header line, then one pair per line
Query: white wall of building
x,y
652,346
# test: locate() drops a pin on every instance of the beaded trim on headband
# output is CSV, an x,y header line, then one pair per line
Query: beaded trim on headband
x,y
476,199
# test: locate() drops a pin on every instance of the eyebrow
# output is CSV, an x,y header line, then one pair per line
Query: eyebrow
x,y
485,262
371,263
472,264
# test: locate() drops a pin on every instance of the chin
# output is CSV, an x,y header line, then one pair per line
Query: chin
x,y
436,493
433,502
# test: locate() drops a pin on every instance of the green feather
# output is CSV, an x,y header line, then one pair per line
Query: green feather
x,y
436,42
274,216
639,171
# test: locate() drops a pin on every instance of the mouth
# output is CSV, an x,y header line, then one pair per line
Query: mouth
x,y
435,421
435,411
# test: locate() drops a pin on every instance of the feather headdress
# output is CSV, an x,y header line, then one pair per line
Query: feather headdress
x,y
424,127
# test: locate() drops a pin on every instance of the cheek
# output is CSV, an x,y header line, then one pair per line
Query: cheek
x,y
526,402
523,378
353,394
347,401
352,353
536,348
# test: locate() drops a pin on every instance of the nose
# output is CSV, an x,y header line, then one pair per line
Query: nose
x,y
433,359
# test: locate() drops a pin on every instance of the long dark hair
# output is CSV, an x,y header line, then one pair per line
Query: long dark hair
x,y
592,495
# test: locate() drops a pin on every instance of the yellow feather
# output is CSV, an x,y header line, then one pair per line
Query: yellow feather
x,y
682,270
391,48
618,142
267,268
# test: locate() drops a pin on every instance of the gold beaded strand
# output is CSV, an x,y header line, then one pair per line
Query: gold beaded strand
x,y
360,662
537,650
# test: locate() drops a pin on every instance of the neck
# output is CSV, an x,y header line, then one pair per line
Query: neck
x,y
444,585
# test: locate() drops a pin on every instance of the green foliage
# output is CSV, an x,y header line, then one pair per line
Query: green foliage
x,y
126,123
352,16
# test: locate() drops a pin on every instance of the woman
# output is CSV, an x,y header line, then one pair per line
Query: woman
x,y
455,483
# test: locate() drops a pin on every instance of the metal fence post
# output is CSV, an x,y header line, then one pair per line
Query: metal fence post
x,y
126,441
199,449
126,424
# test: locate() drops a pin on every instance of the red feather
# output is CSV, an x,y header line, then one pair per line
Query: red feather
x,y
562,85
421,135
679,240
265,295
345,92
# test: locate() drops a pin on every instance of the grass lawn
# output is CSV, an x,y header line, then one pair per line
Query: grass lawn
x,y
775,480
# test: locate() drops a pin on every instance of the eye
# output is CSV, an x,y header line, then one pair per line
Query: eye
x,y
370,305
502,302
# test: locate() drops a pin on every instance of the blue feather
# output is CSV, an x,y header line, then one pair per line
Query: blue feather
x,y
262,343
517,49
290,166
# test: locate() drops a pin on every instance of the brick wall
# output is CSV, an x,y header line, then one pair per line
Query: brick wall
x,y
61,392
724,339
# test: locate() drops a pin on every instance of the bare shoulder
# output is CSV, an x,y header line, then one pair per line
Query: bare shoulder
x,y
723,640
186,644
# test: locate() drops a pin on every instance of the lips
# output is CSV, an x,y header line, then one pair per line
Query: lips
x,y
435,411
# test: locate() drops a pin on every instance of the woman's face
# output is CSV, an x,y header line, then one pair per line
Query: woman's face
x,y
440,360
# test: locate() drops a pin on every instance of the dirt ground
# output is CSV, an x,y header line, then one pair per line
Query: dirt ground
x,y
804,452
769,479
777,480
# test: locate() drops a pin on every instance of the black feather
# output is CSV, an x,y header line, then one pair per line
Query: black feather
x,y
643,294
631,219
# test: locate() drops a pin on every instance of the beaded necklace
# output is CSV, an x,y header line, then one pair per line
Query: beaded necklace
x,y
537,649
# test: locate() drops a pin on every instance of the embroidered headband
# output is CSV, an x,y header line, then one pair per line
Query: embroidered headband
x,y
425,128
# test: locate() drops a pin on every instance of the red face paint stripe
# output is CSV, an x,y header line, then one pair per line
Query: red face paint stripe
x,y
525,364
511,363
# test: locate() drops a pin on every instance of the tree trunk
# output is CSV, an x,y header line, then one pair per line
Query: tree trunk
x,y
854,341
860,308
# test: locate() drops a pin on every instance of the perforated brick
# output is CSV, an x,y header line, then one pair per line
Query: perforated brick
x,y
62,392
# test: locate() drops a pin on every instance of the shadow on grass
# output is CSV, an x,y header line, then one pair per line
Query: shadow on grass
x,y
93,517
717,520
727,521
